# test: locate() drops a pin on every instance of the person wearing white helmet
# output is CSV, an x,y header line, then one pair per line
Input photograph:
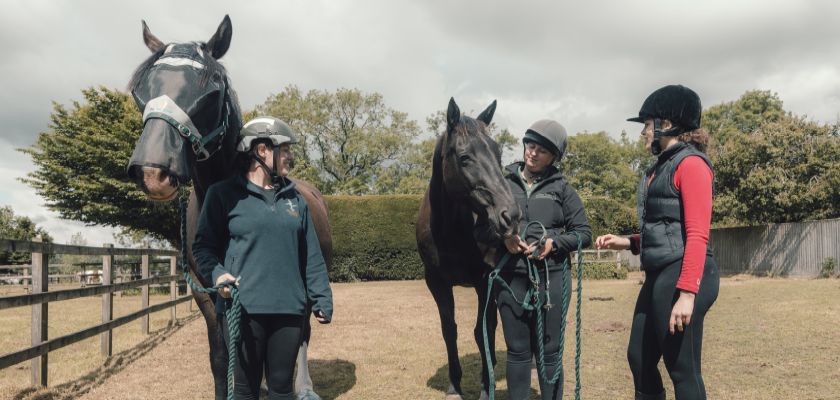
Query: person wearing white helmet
x,y
255,230
674,202
544,196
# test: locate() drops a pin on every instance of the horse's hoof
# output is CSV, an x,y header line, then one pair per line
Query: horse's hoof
x,y
307,394
453,396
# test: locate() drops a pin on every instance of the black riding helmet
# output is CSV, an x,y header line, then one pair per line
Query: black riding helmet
x,y
548,134
266,129
677,104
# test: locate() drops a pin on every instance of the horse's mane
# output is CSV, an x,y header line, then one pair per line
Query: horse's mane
x,y
212,66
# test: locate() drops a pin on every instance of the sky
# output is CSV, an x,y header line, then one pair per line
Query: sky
x,y
588,65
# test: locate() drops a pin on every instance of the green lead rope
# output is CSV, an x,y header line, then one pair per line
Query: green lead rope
x,y
532,301
233,313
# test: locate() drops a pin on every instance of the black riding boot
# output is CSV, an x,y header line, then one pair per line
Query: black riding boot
x,y
548,391
642,396
519,375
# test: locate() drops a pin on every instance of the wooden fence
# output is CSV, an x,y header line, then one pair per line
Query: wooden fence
x,y
40,297
796,249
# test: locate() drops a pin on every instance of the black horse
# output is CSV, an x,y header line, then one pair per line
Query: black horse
x,y
191,122
467,210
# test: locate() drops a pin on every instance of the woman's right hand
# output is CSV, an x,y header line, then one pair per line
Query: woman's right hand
x,y
515,244
225,291
612,242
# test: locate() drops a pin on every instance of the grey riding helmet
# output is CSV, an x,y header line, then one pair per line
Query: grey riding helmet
x,y
277,131
549,134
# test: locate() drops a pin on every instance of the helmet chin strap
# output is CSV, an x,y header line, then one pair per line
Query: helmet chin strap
x,y
658,133
276,180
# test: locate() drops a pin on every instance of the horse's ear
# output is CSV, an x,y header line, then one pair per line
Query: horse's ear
x,y
152,42
453,114
220,42
486,116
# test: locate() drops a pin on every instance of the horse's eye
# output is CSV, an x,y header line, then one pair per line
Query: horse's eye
x,y
464,159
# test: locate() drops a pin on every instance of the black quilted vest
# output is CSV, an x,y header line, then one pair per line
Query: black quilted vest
x,y
661,211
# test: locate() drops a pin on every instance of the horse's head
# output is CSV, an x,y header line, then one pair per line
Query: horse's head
x,y
471,171
188,107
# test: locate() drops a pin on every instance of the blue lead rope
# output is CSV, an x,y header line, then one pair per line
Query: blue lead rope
x,y
532,301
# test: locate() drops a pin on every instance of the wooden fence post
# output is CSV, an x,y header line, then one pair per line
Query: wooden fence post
x,y
40,281
173,287
105,341
144,295
189,292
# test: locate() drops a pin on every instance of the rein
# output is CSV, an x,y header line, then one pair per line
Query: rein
x,y
532,301
233,313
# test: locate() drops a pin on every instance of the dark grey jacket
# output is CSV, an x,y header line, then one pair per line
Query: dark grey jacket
x,y
554,203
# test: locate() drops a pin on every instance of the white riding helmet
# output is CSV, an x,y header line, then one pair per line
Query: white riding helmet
x,y
270,128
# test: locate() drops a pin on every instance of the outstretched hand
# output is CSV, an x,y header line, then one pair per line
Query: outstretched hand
x,y
612,242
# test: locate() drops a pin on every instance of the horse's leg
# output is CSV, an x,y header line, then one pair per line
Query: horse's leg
x,y
303,381
442,293
481,292
218,349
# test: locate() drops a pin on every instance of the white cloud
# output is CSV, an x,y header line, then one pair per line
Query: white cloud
x,y
587,64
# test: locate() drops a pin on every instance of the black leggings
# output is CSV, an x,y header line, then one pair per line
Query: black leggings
x,y
520,331
651,340
269,343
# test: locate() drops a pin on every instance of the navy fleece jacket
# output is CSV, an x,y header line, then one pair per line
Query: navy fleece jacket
x,y
268,240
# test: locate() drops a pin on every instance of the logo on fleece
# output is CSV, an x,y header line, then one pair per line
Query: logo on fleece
x,y
292,210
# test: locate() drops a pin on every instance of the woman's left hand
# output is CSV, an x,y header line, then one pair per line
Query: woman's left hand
x,y
681,313
547,247
320,317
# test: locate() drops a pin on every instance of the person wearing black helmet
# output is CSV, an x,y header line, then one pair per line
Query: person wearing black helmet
x,y
543,195
674,202
255,229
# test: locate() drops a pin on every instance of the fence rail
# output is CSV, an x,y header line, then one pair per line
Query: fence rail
x,y
40,297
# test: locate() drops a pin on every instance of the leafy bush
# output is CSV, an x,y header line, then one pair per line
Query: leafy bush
x,y
374,239
829,266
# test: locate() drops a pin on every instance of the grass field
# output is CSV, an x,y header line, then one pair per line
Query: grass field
x,y
765,339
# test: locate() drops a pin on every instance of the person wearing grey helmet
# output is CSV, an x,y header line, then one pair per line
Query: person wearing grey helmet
x,y
674,202
543,195
255,230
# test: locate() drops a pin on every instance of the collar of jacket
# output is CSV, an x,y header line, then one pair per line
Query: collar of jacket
x,y
256,190
668,154
551,172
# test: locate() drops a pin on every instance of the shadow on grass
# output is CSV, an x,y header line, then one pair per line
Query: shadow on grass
x,y
471,381
332,378
112,366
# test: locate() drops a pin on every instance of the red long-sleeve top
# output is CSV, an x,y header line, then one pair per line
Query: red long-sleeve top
x,y
693,179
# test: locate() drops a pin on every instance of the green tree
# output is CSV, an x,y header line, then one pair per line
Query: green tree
x,y
783,171
18,227
597,165
80,166
733,119
349,138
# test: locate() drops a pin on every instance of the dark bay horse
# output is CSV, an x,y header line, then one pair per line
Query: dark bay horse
x,y
467,210
191,124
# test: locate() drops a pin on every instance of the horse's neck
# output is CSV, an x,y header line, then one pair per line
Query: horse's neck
x,y
450,216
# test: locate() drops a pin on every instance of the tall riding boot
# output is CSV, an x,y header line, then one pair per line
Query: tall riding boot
x,y
519,375
549,391
642,396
